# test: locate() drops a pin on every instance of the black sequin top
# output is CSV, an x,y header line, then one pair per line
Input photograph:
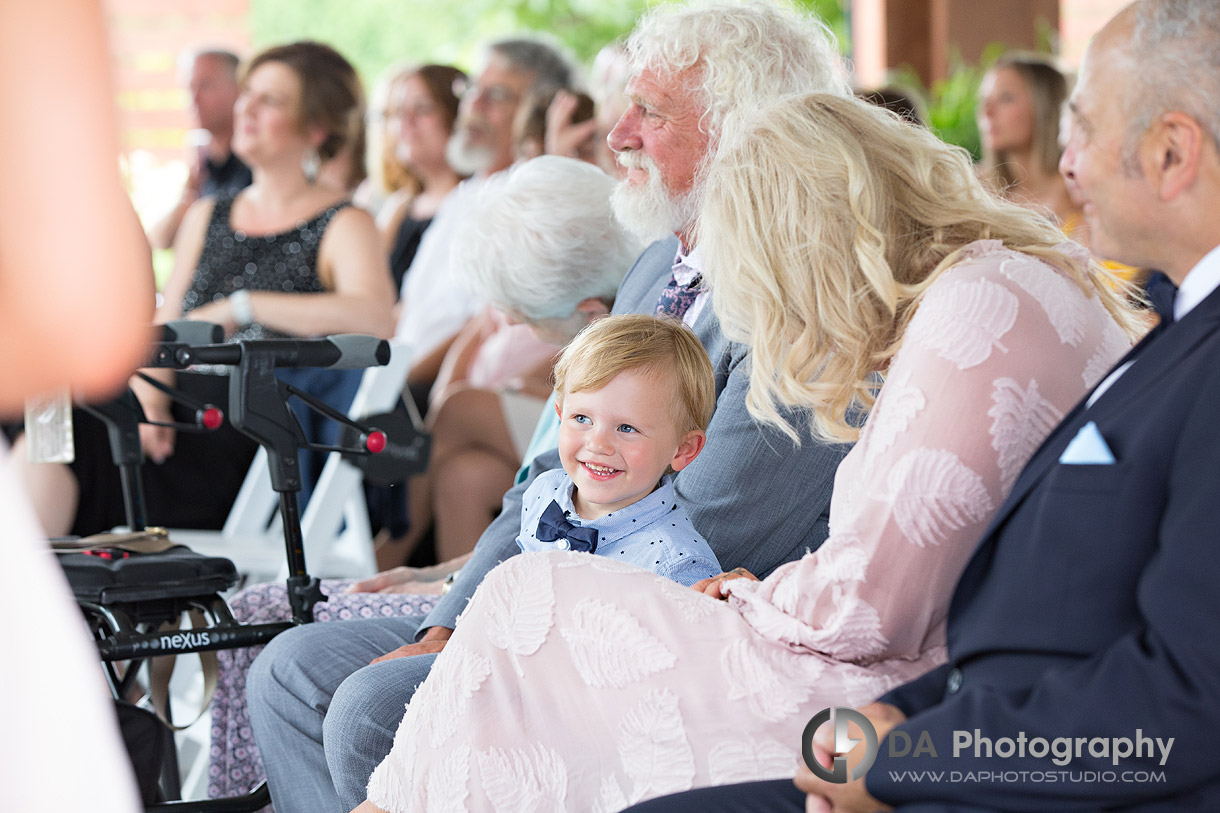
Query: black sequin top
x,y
232,260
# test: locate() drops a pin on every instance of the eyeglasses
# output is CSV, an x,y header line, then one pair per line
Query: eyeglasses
x,y
417,111
464,90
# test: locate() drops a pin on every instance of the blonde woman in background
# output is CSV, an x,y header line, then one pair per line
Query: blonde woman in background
x,y
1021,106
841,245
1021,102
384,177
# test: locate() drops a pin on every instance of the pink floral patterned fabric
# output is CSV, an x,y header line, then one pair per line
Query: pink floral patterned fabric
x,y
577,684
234,765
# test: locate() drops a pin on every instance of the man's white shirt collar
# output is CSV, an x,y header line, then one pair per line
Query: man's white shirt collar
x,y
687,265
1199,282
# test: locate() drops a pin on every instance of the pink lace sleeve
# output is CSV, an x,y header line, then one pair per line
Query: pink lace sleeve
x,y
1001,348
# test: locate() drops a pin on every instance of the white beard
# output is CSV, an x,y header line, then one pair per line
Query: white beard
x,y
466,158
647,210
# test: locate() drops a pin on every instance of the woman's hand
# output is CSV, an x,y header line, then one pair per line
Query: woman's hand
x,y
419,580
386,580
218,313
563,137
156,441
425,580
714,586
400,580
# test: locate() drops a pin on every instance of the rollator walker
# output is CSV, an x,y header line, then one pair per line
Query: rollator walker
x,y
136,589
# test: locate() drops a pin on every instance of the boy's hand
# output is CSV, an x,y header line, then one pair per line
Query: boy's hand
x,y
713,586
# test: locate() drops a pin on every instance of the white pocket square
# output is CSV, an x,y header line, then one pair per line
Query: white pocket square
x,y
1088,448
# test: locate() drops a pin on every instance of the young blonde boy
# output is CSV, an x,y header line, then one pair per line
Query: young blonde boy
x,y
635,394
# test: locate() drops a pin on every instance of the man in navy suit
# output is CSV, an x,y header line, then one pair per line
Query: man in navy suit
x,y
1090,608
1084,649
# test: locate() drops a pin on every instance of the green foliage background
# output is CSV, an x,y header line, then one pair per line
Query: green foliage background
x,y
950,103
374,34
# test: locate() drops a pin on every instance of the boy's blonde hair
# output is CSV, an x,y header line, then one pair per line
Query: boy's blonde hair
x,y
617,344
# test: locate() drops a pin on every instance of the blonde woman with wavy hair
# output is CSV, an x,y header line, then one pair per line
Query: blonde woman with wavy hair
x,y
885,210
846,248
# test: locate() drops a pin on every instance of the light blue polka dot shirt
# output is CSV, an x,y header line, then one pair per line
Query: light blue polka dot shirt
x,y
654,533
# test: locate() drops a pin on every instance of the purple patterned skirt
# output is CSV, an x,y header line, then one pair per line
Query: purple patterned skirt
x,y
234,766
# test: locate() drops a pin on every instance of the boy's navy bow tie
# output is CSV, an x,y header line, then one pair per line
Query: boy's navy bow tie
x,y
554,525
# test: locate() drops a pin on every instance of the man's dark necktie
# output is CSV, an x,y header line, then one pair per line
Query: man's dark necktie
x,y
554,525
1161,293
675,299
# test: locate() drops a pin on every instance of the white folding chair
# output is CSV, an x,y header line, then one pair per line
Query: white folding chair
x,y
335,526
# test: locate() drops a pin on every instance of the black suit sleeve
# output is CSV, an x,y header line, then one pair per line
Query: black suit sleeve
x,y
921,693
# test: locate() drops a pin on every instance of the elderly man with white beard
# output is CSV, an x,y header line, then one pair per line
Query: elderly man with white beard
x,y
759,499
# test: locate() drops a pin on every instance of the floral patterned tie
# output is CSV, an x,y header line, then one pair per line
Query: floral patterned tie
x,y
676,299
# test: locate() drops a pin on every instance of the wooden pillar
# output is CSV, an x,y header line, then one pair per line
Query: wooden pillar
x,y
888,34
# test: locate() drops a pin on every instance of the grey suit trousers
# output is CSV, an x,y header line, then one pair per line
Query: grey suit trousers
x,y
310,686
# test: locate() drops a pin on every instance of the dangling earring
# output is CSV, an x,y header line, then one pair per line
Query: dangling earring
x,y
310,164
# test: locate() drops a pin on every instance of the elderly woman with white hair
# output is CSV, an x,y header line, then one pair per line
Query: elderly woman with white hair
x,y
844,246
541,245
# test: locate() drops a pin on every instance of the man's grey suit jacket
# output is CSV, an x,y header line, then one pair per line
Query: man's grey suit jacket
x,y
758,499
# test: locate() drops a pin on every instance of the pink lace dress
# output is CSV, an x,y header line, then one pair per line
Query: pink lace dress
x,y
578,684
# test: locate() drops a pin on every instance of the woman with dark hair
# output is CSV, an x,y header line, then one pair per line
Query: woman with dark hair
x,y
284,257
288,256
